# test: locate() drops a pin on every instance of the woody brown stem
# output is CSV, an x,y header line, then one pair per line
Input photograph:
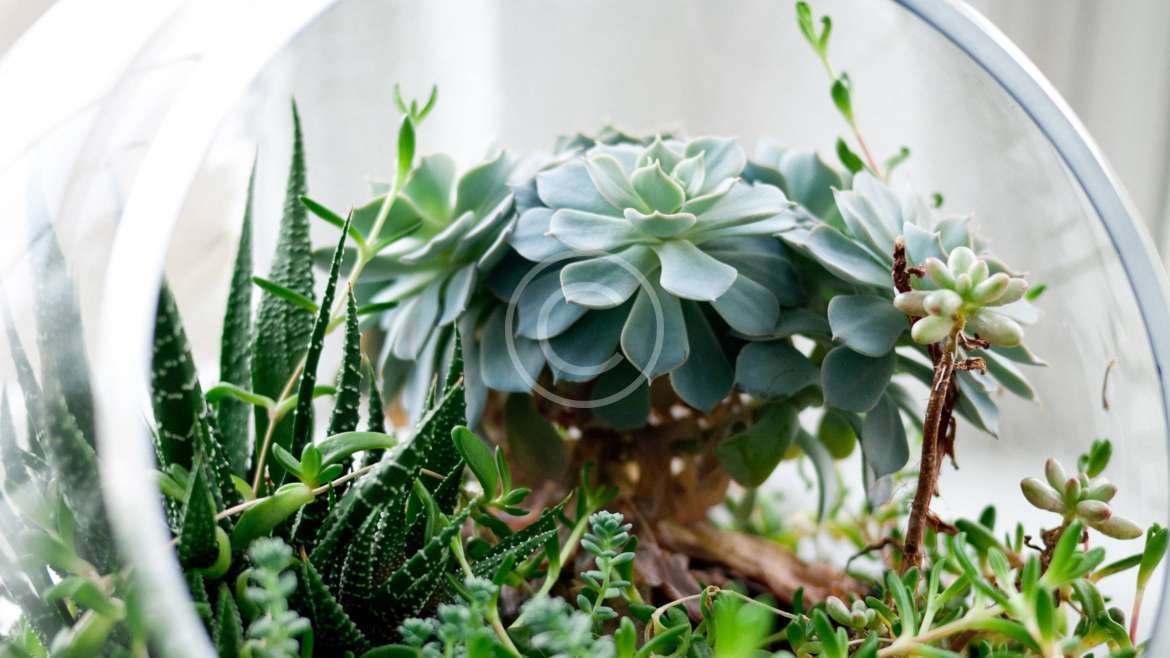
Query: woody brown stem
x,y
928,470
938,427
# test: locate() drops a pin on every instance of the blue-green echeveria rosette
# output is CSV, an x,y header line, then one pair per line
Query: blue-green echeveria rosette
x,y
651,246
437,274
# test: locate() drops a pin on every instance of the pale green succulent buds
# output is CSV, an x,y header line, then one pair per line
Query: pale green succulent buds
x,y
1080,497
859,617
965,288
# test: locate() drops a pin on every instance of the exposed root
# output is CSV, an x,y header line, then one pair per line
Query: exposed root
x,y
758,559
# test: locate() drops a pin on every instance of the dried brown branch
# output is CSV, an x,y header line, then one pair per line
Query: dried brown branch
x,y
759,559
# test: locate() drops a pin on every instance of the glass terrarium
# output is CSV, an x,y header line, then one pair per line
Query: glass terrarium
x,y
154,152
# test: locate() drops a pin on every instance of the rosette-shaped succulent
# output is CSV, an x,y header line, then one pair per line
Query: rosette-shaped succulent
x,y
1083,495
435,275
651,250
964,293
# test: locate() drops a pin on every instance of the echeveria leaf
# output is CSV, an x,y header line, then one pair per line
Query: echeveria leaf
x,y
975,404
654,337
921,244
773,369
429,187
661,192
748,307
590,232
751,455
722,158
826,472
866,226
845,258
628,411
607,281
809,181
503,368
569,186
542,310
534,445
1008,375
690,273
589,347
530,237
613,184
853,381
883,438
866,324
415,321
706,377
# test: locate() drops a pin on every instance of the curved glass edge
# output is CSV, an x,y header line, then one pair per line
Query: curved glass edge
x,y
1019,77
245,41
152,209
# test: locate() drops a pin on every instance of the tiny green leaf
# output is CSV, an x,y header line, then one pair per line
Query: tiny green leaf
x,y
339,447
842,96
1155,550
848,158
479,459
270,512
405,146
287,294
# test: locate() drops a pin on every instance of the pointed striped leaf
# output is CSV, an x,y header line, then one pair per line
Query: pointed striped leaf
x,y
334,632
197,546
60,332
348,399
303,418
229,630
519,545
27,380
282,330
235,354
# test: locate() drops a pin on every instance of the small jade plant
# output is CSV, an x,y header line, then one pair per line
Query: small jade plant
x,y
1082,495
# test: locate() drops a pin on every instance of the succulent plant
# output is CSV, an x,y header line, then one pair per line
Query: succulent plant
x,y
858,617
1083,495
435,275
643,242
963,295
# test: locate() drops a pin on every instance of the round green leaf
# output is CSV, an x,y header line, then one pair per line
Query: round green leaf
x,y
883,438
853,381
868,325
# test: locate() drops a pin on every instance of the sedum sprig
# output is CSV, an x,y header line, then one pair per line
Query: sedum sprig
x,y
1083,495
964,292
274,634
607,540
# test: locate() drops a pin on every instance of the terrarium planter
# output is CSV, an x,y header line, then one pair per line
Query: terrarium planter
x,y
556,260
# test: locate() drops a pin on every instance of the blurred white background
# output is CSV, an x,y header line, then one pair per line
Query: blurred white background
x,y
1110,59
